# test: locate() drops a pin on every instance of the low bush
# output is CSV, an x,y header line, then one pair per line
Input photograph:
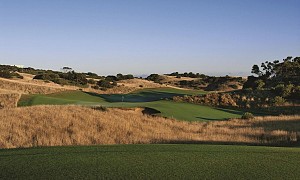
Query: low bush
x,y
247,115
99,108
278,101
5,74
91,81
95,87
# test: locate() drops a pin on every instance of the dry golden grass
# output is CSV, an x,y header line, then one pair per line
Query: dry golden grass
x,y
139,83
174,79
28,85
9,100
127,86
75,125
28,79
28,88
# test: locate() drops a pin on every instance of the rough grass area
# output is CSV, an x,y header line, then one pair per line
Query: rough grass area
x,y
9,100
151,162
76,125
27,88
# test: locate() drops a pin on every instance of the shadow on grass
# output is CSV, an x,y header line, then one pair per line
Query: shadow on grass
x,y
277,144
232,111
213,119
263,111
147,96
291,126
150,111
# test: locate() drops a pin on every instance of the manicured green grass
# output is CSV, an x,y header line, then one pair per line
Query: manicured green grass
x,y
146,95
67,97
151,98
192,112
184,161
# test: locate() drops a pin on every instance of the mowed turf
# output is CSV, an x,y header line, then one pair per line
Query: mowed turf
x,y
151,98
191,112
182,161
66,97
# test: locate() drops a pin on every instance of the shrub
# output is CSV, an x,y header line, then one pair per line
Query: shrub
x,y
259,84
60,81
5,74
99,108
155,78
91,81
234,86
104,84
47,76
247,115
296,93
92,75
111,78
95,87
16,75
123,77
278,100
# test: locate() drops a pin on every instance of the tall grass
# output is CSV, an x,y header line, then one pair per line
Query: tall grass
x,y
9,100
33,86
75,125
27,88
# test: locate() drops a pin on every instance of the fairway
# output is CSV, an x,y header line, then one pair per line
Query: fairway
x,y
151,162
150,98
191,112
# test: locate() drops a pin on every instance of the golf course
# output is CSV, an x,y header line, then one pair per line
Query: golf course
x,y
158,99
174,89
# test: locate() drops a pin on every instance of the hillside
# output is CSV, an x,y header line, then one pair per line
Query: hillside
x,y
28,85
127,86
207,83
75,125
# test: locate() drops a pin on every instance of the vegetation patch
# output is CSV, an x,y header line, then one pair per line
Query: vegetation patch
x,y
77,125
279,78
9,100
184,161
151,98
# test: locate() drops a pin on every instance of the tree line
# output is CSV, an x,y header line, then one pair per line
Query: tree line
x,y
279,77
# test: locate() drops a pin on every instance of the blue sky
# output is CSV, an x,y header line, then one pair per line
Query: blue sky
x,y
148,36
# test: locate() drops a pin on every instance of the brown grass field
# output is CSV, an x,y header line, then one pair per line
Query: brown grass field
x,y
76,125
28,85
9,100
19,86
127,86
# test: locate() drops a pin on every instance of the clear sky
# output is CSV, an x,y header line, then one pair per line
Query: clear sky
x,y
148,36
